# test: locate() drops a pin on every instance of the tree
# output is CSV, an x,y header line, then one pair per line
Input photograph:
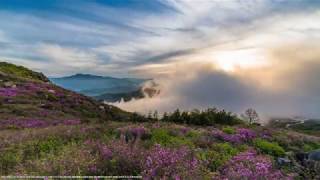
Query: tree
x,y
185,117
155,115
251,115
176,116
150,115
165,117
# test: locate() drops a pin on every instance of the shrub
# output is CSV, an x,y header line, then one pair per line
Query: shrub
x,y
40,148
118,158
218,155
249,165
229,130
207,117
241,135
52,97
193,134
71,159
309,146
163,163
8,160
271,148
162,137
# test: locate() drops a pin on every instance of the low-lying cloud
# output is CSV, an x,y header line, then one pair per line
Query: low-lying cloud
x,y
288,87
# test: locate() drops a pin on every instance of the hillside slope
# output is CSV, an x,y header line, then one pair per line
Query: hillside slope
x,y
307,126
28,95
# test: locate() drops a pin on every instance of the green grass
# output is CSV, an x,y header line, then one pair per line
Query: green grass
x,y
21,72
218,155
228,130
271,148
163,137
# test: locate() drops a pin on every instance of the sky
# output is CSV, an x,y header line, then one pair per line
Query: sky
x,y
230,53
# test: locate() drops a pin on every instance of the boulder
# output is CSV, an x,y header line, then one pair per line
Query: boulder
x,y
301,156
314,155
9,84
283,161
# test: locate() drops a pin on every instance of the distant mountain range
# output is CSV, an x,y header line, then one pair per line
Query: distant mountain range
x,y
103,87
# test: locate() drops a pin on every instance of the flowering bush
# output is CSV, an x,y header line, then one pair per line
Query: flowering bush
x,y
8,92
185,130
133,130
71,122
103,150
246,134
118,158
233,138
164,162
138,131
157,162
241,135
31,89
266,135
249,165
133,134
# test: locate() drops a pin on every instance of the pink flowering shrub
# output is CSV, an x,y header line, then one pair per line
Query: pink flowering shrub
x,y
164,162
117,158
180,131
246,134
133,133
249,165
266,135
137,131
30,89
8,92
157,162
103,150
71,122
241,135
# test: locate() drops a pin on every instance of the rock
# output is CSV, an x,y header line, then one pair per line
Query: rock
x,y
283,161
301,156
289,153
314,155
9,84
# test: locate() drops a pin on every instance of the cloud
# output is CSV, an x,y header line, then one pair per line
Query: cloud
x,y
127,35
231,54
69,56
287,87
219,89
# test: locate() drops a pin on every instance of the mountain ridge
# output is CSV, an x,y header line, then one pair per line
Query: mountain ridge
x,y
94,85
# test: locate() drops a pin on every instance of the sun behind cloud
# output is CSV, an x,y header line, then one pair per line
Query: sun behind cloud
x,y
232,60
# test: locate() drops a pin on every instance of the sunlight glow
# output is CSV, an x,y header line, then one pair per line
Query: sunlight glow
x,y
229,61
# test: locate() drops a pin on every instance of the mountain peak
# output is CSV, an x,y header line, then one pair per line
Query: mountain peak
x,y
86,76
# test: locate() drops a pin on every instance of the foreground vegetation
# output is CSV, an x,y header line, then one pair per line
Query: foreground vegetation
x,y
154,150
47,130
